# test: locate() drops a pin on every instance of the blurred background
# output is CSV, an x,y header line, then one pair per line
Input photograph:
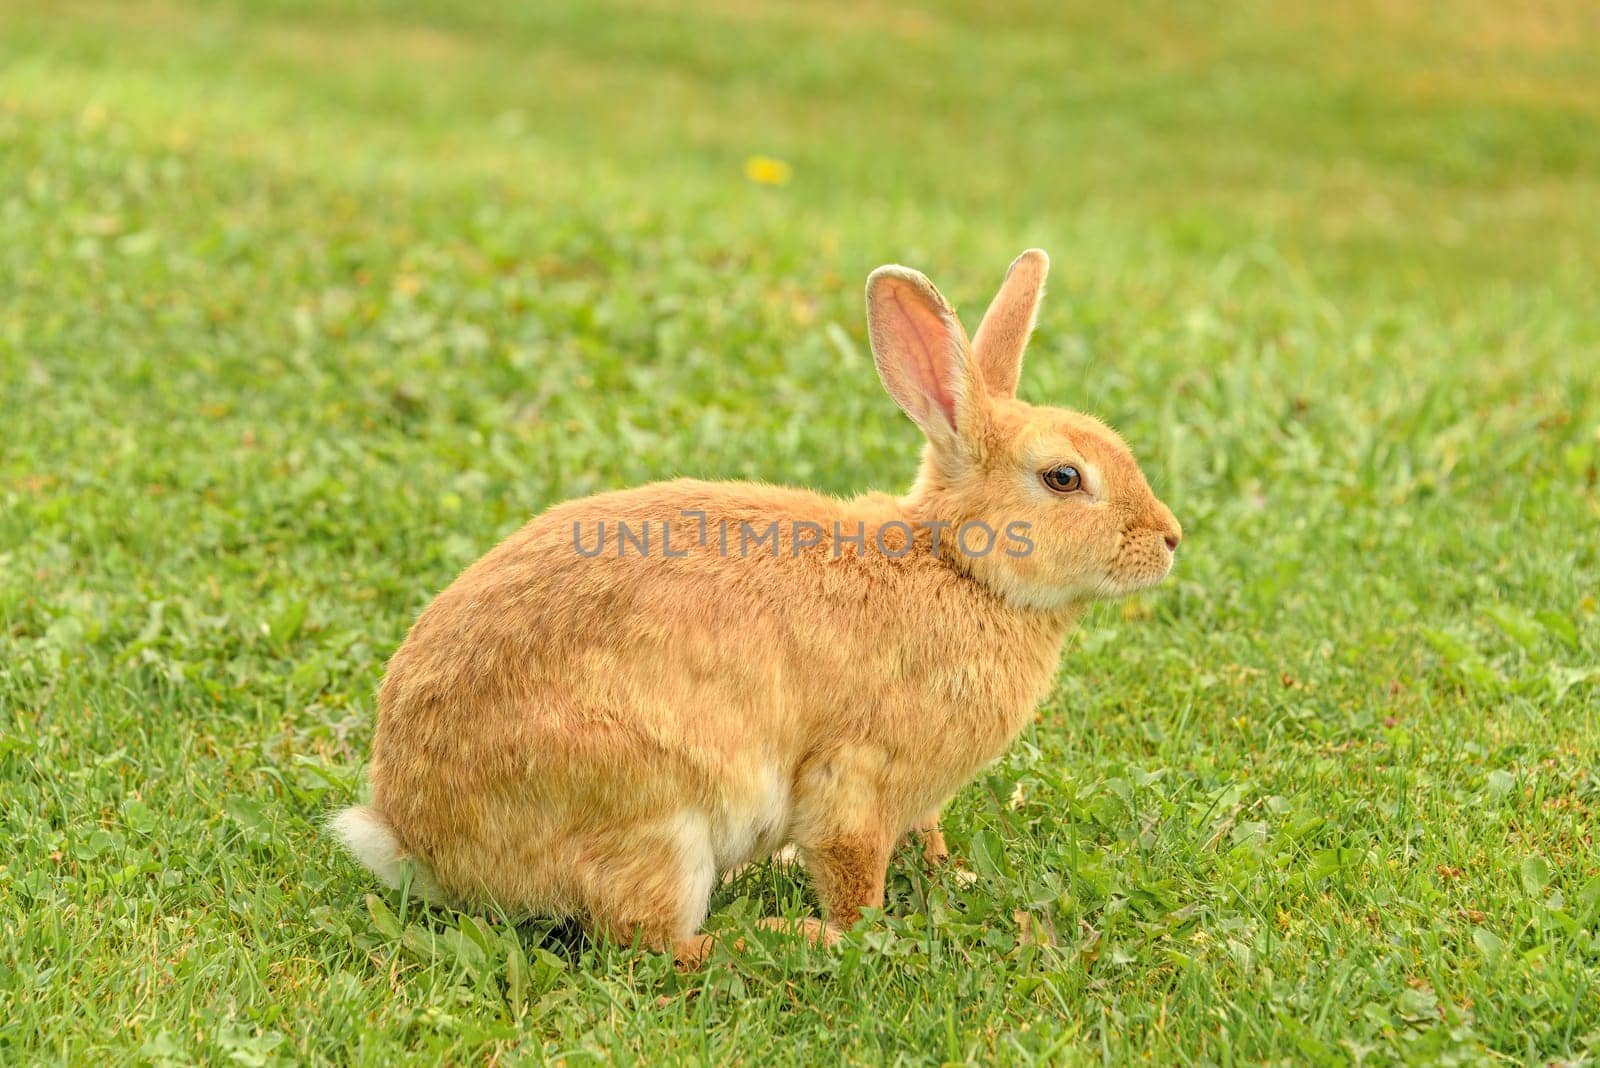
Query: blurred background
x,y
304,304
701,188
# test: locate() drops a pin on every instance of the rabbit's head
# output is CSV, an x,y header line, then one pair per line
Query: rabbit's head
x,y
1071,514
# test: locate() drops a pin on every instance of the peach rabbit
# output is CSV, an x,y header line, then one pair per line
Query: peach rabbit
x,y
597,730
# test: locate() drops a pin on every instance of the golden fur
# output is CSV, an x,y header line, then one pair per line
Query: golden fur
x,y
601,736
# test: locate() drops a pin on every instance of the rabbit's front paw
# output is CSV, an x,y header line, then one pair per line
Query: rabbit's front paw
x,y
935,854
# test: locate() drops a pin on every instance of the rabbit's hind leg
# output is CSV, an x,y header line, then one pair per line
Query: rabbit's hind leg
x,y
653,886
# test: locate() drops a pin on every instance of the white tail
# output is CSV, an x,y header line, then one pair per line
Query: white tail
x,y
366,834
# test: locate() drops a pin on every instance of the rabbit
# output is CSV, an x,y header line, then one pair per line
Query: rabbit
x,y
626,697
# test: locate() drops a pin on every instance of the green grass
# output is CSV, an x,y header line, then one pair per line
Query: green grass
x,y
302,306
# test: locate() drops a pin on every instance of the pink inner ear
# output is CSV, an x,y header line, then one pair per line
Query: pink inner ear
x,y
925,340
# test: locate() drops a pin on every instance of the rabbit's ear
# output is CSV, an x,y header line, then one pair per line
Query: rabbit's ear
x,y
1003,334
922,354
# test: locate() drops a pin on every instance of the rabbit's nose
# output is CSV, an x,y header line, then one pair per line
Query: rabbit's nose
x,y
1164,521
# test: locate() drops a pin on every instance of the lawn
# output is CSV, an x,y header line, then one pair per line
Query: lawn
x,y
304,305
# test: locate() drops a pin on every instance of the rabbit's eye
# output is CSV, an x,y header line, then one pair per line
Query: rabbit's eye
x,y
1064,479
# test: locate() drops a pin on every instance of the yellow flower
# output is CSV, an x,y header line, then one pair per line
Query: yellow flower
x,y
767,171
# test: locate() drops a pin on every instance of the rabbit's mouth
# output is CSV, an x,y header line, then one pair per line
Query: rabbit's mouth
x,y
1143,562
